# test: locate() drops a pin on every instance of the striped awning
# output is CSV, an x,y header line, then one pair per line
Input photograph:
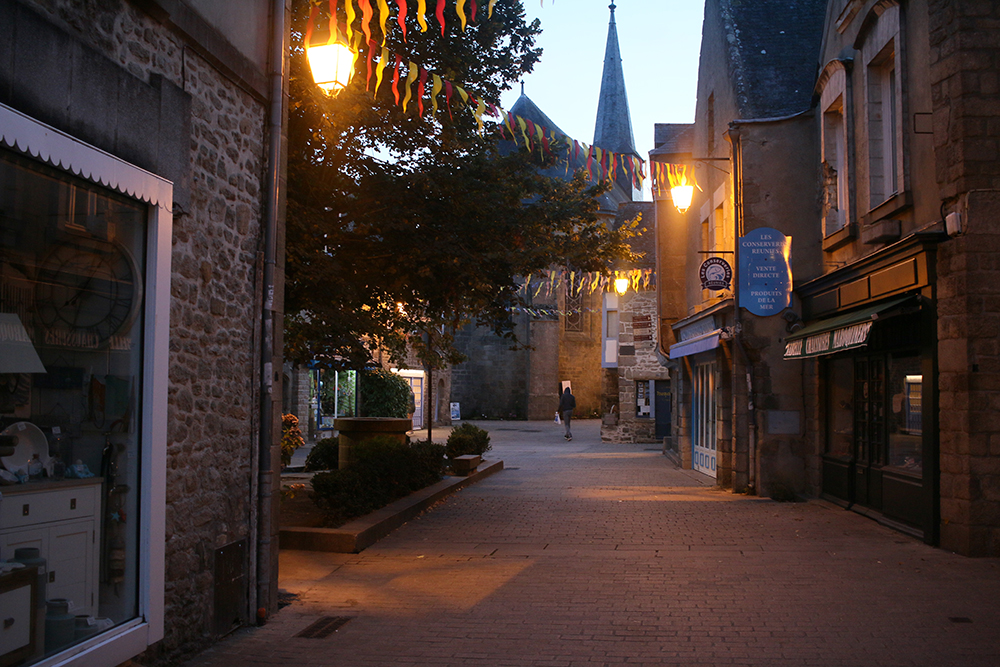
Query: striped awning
x,y
840,333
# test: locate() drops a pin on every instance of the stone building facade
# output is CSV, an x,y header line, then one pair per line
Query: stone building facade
x,y
874,388
176,92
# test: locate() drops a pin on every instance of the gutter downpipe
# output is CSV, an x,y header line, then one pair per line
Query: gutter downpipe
x,y
267,537
733,136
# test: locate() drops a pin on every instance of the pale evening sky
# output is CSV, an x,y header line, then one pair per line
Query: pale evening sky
x,y
660,41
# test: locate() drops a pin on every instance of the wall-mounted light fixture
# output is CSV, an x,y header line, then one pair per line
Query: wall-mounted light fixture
x,y
332,62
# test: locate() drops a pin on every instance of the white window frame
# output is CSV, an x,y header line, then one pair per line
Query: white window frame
x,y
834,108
29,137
609,339
883,72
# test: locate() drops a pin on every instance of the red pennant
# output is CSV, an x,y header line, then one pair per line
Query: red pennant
x,y
366,18
590,161
473,11
576,149
334,32
440,15
401,16
420,89
531,134
313,13
371,52
545,143
395,79
447,97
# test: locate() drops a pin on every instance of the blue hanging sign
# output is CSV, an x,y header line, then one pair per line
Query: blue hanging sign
x,y
765,271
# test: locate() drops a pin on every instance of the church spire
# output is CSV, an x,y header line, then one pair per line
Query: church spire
x,y
613,131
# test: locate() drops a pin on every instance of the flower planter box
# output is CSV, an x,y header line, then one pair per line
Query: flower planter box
x,y
358,429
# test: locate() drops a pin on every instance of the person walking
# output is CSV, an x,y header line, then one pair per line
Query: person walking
x,y
567,402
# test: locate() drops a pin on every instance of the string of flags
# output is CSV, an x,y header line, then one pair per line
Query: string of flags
x,y
406,73
578,283
667,175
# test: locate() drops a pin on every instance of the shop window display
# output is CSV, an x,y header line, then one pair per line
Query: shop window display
x,y
72,260
906,417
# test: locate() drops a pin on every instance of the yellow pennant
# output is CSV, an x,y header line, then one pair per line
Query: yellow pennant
x,y
464,95
349,6
506,121
380,70
421,14
411,76
524,130
541,140
438,85
480,110
460,9
599,154
492,2
383,17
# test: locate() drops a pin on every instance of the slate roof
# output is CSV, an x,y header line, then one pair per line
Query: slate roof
x,y
613,130
672,138
528,110
773,53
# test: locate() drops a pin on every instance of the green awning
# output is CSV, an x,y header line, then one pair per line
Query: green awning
x,y
840,333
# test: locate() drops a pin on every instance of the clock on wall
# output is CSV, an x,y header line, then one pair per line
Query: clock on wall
x,y
88,291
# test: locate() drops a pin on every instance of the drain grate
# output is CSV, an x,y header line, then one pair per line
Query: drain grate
x,y
324,627
960,619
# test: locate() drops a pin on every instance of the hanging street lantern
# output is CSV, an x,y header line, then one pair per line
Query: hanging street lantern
x,y
332,63
682,185
621,285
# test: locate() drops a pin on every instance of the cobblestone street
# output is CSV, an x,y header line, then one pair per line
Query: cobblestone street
x,y
583,553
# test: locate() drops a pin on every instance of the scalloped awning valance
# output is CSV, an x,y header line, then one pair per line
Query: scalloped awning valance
x,y
54,147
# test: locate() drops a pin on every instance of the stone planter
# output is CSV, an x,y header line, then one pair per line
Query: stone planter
x,y
353,430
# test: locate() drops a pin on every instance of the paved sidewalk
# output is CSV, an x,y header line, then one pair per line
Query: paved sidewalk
x,y
585,553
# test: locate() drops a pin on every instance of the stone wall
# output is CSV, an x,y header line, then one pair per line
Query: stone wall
x,y
964,61
580,358
638,335
213,411
491,383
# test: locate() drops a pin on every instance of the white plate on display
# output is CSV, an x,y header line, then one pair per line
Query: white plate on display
x,y
30,441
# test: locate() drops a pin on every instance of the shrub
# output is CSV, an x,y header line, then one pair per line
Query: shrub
x,y
383,470
384,394
324,456
291,438
468,439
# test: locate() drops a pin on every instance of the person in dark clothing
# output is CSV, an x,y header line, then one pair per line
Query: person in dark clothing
x,y
567,402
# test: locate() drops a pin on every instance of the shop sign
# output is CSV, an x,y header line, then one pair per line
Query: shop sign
x,y
715,274
829,342
765,271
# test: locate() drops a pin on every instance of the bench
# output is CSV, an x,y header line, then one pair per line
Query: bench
x,y
465,465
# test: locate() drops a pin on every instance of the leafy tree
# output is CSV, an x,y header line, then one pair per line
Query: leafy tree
x,y
401,224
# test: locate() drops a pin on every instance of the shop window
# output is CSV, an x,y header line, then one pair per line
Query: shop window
x,y
72,269
906,416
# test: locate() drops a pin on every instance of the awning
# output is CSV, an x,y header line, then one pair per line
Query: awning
x,y
702,343
836,334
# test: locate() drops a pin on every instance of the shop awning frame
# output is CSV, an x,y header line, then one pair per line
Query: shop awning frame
x,y
702,343
844,332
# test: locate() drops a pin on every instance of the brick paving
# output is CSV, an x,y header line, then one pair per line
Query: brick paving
x,y
585,553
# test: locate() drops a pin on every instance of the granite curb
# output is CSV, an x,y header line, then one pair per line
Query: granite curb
x,y
357,535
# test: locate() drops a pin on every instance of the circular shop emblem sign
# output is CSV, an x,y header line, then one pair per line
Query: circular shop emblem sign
x,y
715,274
